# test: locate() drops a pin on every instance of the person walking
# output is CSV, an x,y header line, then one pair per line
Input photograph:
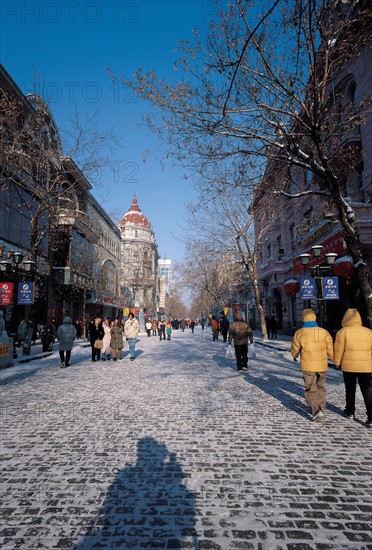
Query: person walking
x,y
66,334
78,328
161,327
274,327
117,340
106,348
154,327
183,325
131,329
21,332
240,331
192,325
224,325
96,332
168,330
148,327
215,328
352,354
314,344
268,326
47,335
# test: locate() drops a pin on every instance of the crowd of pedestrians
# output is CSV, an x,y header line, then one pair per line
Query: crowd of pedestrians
x,y
311,344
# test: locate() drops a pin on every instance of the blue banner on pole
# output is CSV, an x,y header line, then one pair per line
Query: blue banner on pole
x,y
330,288
308,288
25,294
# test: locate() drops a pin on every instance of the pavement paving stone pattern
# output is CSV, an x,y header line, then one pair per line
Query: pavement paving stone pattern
x,y
179,450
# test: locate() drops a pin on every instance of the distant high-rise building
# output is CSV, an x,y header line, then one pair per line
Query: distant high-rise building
x,y
165,271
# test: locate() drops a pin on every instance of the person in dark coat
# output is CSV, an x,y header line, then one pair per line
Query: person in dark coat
x,y
224,327
96,332
66,334
240,332
48,335
21,333
274,327
78,328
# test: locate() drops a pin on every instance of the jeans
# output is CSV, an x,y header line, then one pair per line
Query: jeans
x,y
315,392
365,384
132,346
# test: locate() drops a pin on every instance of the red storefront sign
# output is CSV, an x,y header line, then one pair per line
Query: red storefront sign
x,y
332,244
6,294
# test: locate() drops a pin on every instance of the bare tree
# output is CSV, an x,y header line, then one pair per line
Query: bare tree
x,y
46,188
174,305
266,87
227,221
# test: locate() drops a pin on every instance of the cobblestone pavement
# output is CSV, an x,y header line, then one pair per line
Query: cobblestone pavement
x,y
179,450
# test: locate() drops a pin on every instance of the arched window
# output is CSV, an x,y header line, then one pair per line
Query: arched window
x,y
108,276
67,197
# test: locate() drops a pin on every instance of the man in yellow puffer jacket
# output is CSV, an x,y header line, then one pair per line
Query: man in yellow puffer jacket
x,y
353,354
315,345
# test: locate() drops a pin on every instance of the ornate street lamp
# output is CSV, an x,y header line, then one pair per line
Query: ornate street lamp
x,y
329,258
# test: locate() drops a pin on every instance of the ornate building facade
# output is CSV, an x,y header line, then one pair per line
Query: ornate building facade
x,y
139,262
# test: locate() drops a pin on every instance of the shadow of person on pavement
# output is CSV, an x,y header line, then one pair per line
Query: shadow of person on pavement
x,y
146,506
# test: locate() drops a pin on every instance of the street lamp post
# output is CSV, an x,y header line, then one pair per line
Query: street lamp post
x,y
329,259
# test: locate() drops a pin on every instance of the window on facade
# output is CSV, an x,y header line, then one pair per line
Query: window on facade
x,y
15,214
82,254
67,197
292,234
363,194
345,186
308,215
135,257
308,177
268,251
279,246
108,276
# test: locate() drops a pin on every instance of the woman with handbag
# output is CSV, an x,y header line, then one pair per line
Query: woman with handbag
x,y
96,334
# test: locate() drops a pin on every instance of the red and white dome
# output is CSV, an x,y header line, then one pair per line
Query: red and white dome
x,y
135,216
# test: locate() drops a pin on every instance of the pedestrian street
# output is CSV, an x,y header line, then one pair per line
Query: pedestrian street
x,y
179,450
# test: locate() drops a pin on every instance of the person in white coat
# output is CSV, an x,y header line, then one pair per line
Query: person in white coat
x,y
131,329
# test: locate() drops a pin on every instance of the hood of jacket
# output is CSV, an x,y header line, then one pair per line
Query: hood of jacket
x,y
67,321
308,315
351,317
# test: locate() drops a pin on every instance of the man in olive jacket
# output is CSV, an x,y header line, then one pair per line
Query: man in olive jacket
x,y
353,349
240,331
315,345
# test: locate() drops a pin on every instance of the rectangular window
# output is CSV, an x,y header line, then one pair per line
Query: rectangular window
x,y
362,184
292,234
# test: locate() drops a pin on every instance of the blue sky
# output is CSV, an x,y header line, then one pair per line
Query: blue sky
x,y
68,45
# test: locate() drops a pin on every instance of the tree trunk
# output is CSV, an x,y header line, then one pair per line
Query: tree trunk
x,y
258,304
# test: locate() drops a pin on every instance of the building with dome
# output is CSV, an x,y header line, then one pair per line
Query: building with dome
x,y
139,262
